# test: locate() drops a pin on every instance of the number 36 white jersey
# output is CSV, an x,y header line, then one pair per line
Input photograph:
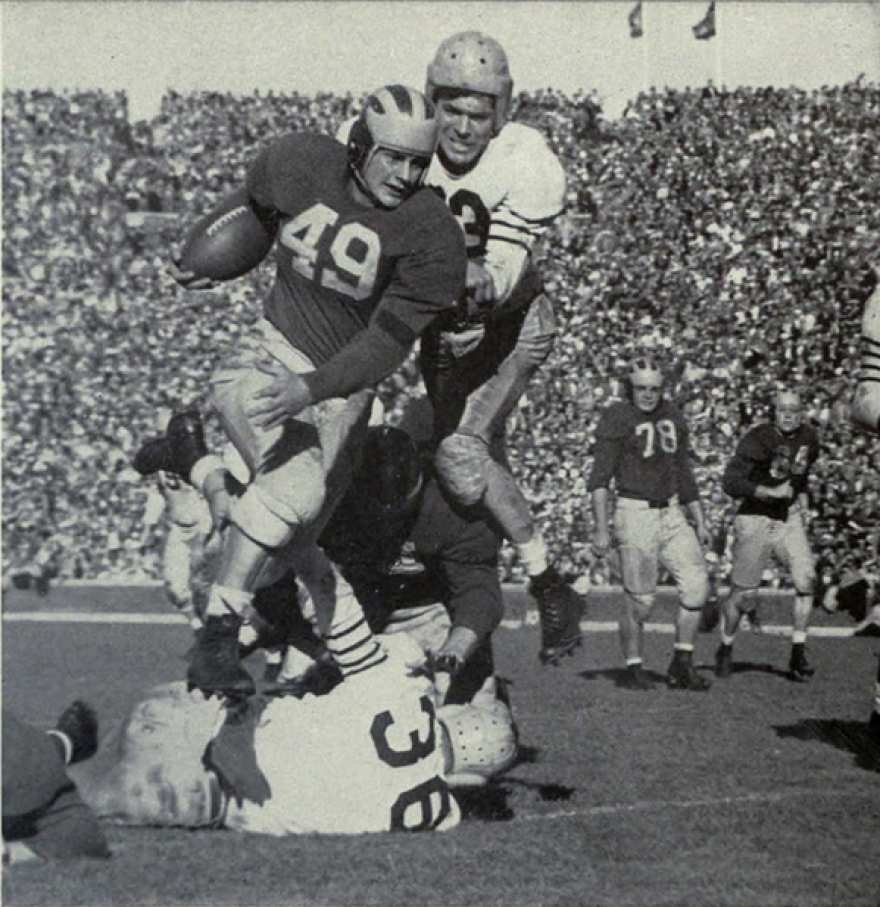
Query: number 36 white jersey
x,y
366,757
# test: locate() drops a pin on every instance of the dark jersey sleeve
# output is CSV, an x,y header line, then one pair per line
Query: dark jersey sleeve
x,y
610,433
41,806
475,598
431,277
469,561
687,483
800,482
737,480
428,279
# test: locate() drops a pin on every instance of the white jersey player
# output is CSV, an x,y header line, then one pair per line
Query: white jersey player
x,y
371,755
505,186
866,405
188,534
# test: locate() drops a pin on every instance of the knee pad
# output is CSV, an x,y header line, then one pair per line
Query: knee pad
x,y
695,592
804,583
267,520
642,605
462,463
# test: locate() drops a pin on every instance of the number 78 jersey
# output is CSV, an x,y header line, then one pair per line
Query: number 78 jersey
x,y
647,454
341,263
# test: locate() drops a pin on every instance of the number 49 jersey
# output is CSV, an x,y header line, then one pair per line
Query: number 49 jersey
x,y
645,453
366,757
341,263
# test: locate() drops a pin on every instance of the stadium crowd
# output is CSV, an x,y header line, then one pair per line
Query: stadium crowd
x,y
724,230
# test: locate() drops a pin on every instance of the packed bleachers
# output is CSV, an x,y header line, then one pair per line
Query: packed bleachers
x,y
725,230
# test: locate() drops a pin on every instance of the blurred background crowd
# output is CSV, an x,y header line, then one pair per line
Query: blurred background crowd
x,y
727,232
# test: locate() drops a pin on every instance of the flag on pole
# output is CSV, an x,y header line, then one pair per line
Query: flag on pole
x,y
705,28
636,29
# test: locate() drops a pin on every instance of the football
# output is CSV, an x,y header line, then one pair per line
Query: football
x,y
228,242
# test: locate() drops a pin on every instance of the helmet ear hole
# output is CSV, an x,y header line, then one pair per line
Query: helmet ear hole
x,y
395,118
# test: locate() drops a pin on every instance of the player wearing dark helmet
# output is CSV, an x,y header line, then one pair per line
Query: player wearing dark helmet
x,y
642,448
446,592
366,260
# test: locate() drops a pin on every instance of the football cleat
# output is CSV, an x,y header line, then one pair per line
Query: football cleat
x,y
181,448
214,665
560,609
799,668
637,678
724,661
79,723
682,674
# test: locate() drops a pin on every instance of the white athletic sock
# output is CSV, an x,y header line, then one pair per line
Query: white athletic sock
x,y
684,647
633,662
798,636
533,554
727,639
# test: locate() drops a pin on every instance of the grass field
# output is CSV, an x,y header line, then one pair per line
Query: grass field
x,y
755,793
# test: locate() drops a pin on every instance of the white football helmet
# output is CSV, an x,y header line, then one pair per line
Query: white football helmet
x,y
472,61
482,740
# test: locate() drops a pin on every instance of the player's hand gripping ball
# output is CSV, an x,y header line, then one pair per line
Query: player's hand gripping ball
x,y
227,243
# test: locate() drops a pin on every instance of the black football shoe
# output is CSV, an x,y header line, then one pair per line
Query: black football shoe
x,y
214,662
560,609
724,661
637,678
799,669
79,723
178,451
682,675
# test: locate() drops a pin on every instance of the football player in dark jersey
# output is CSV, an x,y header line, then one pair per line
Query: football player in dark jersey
x,y
642,445
366,259
44,817
768,474
446,593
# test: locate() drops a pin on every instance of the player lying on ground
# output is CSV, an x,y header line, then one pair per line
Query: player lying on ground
x,y
44,818
642,446
768,474
370,755
366,259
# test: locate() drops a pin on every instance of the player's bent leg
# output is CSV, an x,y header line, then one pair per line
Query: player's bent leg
x,y
732,609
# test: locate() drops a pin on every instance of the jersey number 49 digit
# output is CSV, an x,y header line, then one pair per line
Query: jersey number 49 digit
x,y
354,251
